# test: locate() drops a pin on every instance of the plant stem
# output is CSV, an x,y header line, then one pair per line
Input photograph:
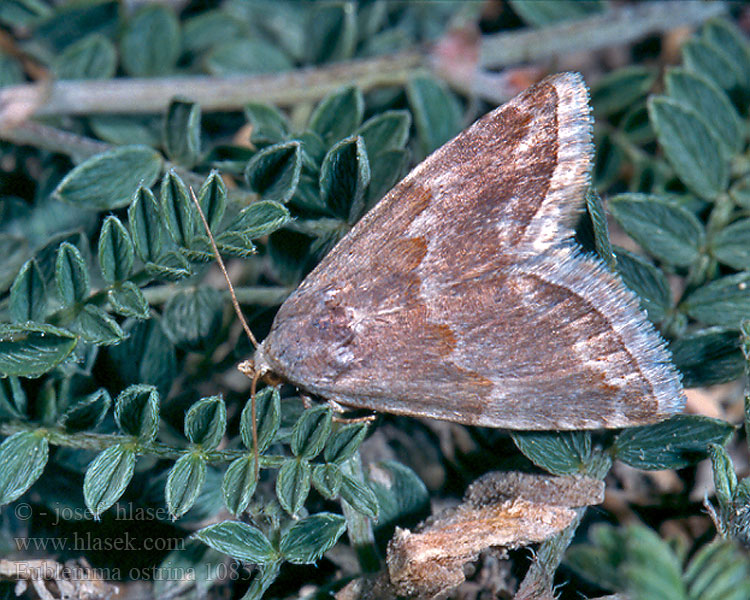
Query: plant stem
x,y
86,440
618,25
149,96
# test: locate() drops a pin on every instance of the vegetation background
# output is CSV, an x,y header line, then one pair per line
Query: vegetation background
x,y
122,413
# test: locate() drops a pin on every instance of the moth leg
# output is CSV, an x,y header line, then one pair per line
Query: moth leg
x,y
338,408
349,420
307,402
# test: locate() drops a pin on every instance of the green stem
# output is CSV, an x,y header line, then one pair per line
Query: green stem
x,y
85,440
721,214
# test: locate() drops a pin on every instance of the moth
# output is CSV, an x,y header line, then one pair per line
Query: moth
x,y
462,295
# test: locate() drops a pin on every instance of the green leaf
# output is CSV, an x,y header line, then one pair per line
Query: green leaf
x,y
96,326
385,170
208,28
212,198
717,571
206,421
23,456
182,132
234,243
342,445
116,253
621,89
311,432
239,540
150,45
87,412
437,114
338,115
30,350
708,357
731,245
310,538
107,477
327,480
648,282
359,496
546,12
388,130
313,151
559,452
260,219
137,411
332,33
146,356
690,146
293,485
127,299
177,208
632,558
184,483
28,296
125,130
15,250
654,569
703,58
672,444
711,103
190,557
724,301
93,57
247,57
598,215
170,265
145,224
274,171
12,399
731,43
268,405
11,72
265,576
344,178
269,126
71,275
239,484
192,317
402,497
667,231
108,180
725,479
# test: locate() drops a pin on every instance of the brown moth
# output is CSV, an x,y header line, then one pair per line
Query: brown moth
x,y
462,295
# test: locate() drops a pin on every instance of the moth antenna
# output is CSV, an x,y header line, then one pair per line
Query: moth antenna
x,y
219,260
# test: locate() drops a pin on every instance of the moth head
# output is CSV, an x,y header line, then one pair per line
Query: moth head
x,y
314,332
